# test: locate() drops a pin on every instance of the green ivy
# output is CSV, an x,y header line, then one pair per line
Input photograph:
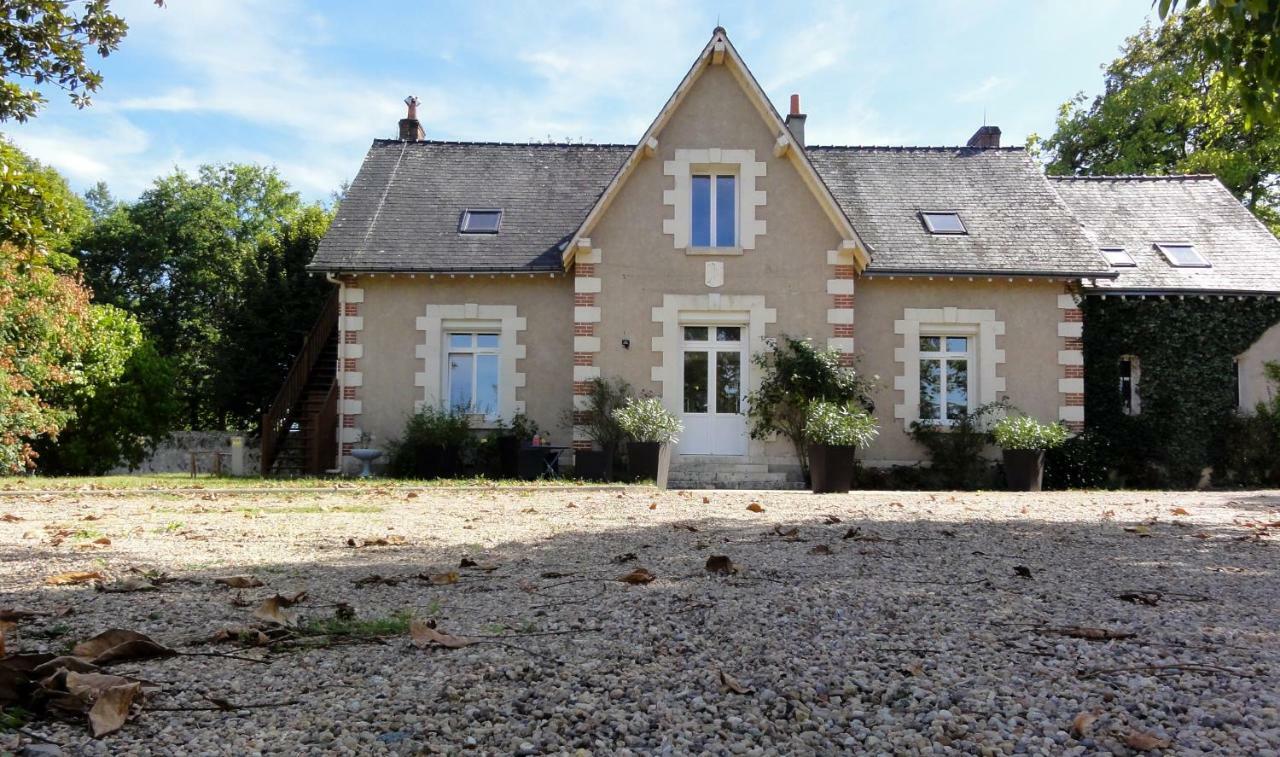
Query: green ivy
x,y
1185,348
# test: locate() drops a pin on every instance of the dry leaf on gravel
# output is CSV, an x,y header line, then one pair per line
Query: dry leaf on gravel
x,y
856,534
440,579
1140,530
10,518
625,557
820,549
118,645
755,507
1148,598
637,576
721,565
102,541
684,527
275,609
732,684
239,582
1083,723
375,579
653,505
74,577
424,634
126,585
1022,571
831,520
1091,634
467,562
376,541
706,500
1179,511
1144,742
111,709
10,614
791,534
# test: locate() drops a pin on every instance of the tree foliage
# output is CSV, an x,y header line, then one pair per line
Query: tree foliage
x,y
1245,42
45,42
1169,106
38,211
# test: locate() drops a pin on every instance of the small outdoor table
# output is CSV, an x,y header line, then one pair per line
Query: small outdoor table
x,y
549,457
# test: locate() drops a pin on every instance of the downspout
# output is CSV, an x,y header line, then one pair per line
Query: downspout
x,y
342,377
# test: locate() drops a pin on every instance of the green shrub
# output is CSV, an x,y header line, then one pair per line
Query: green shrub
x,y
1248,448
1081,462
1025,432
433,444
605,398
646,420
793,374
955,450
840,425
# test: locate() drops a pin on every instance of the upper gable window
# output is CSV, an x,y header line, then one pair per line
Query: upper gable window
x,y
1182,255
715,202
1118,258
480,221
943,222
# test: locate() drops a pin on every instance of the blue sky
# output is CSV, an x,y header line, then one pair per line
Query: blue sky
x,y
306,85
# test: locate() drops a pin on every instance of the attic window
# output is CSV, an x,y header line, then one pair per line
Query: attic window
x,y
1118,258
480,222
1182,255
943,222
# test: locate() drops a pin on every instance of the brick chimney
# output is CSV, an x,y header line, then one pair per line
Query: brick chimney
x,y
985,137
795,121
410,129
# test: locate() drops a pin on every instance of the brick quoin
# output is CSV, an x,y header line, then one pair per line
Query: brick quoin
x,y
843,330
1073,343
1075,426
584,299
348,392
846,359
350,308
582,388
584,269
842,300
1073,371
584,329
583,358
1073,316
350,364
844,271
346,449
351,337
581,417
1075,399
348,421
582,444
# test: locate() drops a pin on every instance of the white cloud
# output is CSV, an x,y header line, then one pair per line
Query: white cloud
x,y
983,91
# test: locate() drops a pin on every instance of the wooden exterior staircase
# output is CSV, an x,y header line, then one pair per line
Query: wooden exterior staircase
x,y
300,429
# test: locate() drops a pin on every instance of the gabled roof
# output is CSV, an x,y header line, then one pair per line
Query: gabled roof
x,y
720,51
1135,212
1016,223
401,212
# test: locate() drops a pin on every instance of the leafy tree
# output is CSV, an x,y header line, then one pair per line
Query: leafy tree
x,y
37,209
1168,106
1245,42
180,258
44,42
794,373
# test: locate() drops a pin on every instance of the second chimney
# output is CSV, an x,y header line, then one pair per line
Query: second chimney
x,y
410,128
985,137
795,121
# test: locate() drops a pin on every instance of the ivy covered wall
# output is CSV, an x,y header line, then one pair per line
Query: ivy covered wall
x,y
1186,349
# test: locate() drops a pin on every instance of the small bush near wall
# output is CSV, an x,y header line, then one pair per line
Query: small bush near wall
x,y
1187,389
1081,462
1249,454
434,445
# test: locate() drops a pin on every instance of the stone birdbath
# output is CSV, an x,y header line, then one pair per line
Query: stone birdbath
x,y
366,456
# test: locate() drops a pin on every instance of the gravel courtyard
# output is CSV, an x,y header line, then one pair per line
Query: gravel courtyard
x,y
882,622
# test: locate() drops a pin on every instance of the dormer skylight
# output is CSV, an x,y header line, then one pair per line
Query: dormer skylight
x,y
1182,255
1118,258
943,222
480,222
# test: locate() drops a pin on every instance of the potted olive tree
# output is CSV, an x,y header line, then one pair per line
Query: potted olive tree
x,y
605,396
1024,441
652,429
835,433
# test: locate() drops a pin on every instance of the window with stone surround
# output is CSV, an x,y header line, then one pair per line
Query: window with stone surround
x,y
714,207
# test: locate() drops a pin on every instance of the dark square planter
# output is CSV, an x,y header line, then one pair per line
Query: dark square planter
x,y
649,460
1024,469
508,456
593,465
831,468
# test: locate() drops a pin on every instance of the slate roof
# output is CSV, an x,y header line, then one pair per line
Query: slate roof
x,y
401,212
1138,211
1016,222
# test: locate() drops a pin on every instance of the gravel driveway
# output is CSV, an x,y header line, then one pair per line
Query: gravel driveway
x,y
900,623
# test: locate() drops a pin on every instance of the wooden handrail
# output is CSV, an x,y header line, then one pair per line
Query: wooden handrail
x,y
278,418
323,422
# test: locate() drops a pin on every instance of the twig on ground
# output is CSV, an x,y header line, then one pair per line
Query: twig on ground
x,y
227,655
229,708
1187,667
37,737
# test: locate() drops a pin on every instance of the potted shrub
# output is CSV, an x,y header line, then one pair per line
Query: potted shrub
x,y
432,445
652,429
1024,441
606,396
509,439
835,433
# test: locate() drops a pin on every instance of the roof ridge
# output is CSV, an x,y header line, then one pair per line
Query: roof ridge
x,y
921,148
1140,177
482,143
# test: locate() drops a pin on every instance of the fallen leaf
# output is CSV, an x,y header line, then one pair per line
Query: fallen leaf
x,y
111,709
1144,742
820,549
424,634
1092,634
275,610
721,564
637,576
10,518
792,534
5,627
102,541
1140,530
625,557
126,585
1022,571
74,577
119,644
832,520
1083,723
684,527
377,541
239,582
1149,598
706,500
16,615
732,684
755,507
1179,511
653,505
373,579
411,495
91,685
856,534
440,579
915,669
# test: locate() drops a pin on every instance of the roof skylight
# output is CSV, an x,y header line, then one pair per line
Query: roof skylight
x,y
480,221
1182,255
943,222
1118,258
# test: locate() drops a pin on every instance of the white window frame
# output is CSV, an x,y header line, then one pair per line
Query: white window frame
x,y
928,222
1135,378
431,353
749,218
465,221
943,356
714,174
1201,261
475,351
985,381
1118,257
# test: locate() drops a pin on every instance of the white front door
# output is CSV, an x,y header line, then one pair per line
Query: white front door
x,y
715,365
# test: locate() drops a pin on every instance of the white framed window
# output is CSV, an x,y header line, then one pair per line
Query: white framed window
x,y
472,376
714,204
1130,374
943,222
946,393
488,221
1182,255
1117,257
